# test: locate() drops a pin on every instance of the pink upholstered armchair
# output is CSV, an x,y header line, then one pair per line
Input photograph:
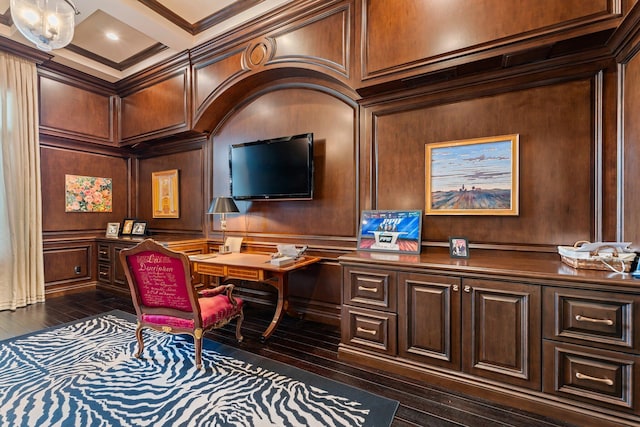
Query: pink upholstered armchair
x,y
164,298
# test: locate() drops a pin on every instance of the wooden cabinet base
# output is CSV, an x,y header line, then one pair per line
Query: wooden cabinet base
x,y
498,393
524,332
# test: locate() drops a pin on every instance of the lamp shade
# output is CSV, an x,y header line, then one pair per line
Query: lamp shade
x,y
223,205
47,23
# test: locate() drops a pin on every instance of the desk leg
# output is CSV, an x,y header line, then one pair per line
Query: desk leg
x,y
283,289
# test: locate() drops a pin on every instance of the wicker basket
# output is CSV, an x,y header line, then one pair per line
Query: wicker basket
x,y
605,257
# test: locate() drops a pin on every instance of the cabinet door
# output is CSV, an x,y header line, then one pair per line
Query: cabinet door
x,y
119,278
429,319
501,331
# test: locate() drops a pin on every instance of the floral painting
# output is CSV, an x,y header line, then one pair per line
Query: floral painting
x,y
87,194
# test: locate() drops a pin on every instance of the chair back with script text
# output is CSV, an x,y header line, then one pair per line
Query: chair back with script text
x,y
165,299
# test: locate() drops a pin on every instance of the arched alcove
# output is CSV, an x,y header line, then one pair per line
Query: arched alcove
x,y
290,107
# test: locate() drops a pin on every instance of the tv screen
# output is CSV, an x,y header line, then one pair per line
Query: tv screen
x,y
273,169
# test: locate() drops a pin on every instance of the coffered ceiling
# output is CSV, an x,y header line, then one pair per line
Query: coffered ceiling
x,y
147,31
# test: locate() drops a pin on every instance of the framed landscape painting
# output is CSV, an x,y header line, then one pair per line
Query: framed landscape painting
x,y
472,177
390,231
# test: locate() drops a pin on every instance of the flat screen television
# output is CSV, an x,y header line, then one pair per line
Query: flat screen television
x,y
272,169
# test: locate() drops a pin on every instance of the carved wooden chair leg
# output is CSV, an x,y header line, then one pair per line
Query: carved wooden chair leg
x,y
140,341
239,320
198,345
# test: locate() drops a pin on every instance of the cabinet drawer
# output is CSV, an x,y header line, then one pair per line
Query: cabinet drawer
x,y
370,288
601,377
604,318
370,329
104,254
104,273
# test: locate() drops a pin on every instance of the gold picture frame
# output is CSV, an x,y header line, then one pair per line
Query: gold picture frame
x,y
472,177
127,226
165,190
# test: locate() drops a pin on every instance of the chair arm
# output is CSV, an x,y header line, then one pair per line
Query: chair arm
x,y
212,292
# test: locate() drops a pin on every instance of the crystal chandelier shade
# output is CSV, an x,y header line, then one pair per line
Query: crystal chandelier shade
x,y
47,23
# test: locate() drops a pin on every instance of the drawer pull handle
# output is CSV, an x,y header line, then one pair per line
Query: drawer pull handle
x,y
581,318
365,288
607,381
367,331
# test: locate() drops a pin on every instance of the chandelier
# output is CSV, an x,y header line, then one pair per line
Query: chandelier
x,y
47,23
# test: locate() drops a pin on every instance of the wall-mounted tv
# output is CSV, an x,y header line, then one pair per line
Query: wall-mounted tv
x,y
272,169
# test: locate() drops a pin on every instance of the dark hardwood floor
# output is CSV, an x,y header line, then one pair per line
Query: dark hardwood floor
x,y
306,345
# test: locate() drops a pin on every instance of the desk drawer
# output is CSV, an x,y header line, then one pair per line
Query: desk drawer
x,y
244,273
369,329
600,377
213,270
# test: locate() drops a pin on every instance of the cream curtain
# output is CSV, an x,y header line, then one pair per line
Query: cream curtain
x,y
21,258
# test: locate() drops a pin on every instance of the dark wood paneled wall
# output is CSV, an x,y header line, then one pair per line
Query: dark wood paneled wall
x,y
433,31
56,162
190,162
290,109
546,71
62,99
158,109
630,150
555,124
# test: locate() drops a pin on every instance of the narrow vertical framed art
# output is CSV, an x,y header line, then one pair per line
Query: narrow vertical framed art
x,y
165,189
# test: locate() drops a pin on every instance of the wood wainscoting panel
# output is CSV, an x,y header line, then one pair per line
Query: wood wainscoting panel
x,y
68,263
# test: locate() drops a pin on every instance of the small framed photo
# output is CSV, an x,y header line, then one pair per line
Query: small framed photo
x,y
458,247
139,228
127,226
112,229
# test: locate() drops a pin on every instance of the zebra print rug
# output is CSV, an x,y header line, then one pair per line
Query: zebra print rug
x,y
84,374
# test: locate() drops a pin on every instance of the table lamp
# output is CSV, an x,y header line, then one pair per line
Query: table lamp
x,y
223,206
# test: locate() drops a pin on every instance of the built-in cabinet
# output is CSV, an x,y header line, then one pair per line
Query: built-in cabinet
x,y
561,346
110,271
489,329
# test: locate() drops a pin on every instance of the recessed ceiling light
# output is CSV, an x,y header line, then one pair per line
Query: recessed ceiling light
x,y
112,36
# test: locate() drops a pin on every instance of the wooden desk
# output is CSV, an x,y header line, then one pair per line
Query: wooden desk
x,y
256,268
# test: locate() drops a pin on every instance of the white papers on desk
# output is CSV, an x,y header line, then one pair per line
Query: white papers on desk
x,y
233,244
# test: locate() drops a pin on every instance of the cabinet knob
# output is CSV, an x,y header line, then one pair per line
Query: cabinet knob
x,y
455,288
467,289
